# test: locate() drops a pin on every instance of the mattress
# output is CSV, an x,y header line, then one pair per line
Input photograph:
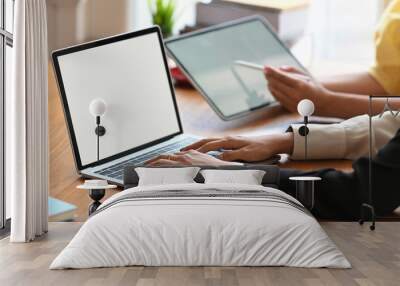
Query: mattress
x,y
201,225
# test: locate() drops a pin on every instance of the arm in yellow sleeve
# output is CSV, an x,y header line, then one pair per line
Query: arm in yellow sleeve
x,y
386,69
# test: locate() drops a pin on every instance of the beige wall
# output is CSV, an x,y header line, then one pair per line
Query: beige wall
x,y
75,21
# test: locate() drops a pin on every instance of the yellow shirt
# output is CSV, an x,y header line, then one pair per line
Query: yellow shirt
x,y
386,69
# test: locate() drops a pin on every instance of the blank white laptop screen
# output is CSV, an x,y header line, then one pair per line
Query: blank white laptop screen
x,y
130,76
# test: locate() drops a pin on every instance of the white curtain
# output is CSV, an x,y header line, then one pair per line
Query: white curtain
x,y
27,123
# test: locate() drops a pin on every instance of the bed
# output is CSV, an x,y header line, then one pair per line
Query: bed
x,y
198,224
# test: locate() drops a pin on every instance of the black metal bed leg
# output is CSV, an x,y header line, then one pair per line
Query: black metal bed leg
x,y
363,218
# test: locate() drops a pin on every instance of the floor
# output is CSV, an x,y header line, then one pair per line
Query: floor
x,y
374,255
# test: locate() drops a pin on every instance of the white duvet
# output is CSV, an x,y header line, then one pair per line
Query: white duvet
x,y
207,230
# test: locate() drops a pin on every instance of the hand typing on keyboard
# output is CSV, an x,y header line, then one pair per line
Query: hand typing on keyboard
x,y
191,157
116,171
246,149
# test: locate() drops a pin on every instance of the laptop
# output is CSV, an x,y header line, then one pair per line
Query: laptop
x,y
128,72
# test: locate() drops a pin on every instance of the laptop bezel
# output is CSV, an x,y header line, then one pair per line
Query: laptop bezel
x,y
67,115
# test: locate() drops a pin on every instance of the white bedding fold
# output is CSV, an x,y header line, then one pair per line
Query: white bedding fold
x,y
183,231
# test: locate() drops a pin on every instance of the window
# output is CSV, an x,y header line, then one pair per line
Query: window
x,y
6,43
344,30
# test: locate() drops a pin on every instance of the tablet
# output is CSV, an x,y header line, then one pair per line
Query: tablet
x,y
223,62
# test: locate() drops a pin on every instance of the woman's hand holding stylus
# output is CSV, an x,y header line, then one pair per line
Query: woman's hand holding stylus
x,y
289,86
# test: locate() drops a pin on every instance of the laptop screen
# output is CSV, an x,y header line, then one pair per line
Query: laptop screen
x,y
127,72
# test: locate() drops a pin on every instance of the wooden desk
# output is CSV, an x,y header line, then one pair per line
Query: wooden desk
x,y
197,118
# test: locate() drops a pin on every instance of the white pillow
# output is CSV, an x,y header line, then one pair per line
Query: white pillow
x,y
165,176
248,177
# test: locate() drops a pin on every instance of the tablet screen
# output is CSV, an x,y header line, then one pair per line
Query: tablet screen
x,y
208,58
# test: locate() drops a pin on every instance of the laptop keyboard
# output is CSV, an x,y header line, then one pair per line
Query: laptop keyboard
x,y
117,171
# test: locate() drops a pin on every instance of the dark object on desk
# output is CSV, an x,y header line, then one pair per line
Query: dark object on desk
x,y
179,78
288,20
270,179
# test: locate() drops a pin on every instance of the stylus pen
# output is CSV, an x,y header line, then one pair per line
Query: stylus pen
x,y
261,67
250,65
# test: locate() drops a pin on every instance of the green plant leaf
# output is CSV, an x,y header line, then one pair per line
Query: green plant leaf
x,y
163,13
